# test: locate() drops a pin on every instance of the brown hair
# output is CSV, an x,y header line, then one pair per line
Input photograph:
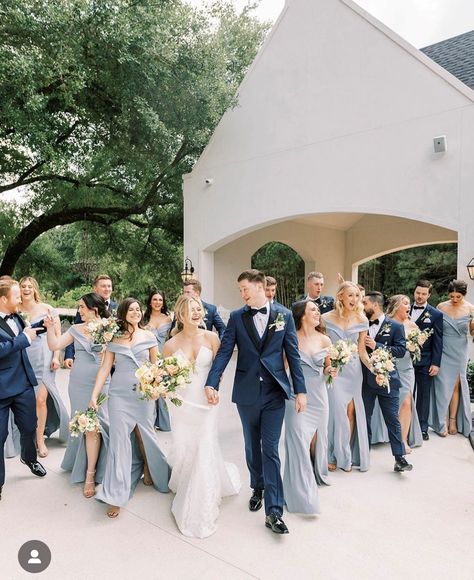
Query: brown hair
x,y
194,282
424,284
270,280
457,286
34,283
6,285
254,276
97,279
122,315
298,310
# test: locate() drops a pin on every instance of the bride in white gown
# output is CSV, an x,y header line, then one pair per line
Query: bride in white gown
x,y
199,476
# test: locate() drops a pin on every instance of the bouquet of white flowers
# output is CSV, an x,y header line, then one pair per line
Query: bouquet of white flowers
x,y
103,330
340,353
382,364
415,341
163,378
86,421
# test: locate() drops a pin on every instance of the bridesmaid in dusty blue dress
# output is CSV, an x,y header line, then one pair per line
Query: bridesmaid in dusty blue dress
x,y
50,409
84,456
450,388
348,439
157,320
133,447
399,309
306,434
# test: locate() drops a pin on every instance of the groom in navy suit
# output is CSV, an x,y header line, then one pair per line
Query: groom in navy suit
x,y
427,318
384,332
17,379
264,333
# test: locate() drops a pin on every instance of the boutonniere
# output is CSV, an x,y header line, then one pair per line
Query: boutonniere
x,y
386,328
279,323
26,319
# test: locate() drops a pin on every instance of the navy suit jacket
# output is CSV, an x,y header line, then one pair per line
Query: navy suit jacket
x,y
69,351
16,373
391,335
431,319
258,356
324,303
212,319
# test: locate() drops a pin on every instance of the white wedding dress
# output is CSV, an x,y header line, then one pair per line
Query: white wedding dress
x,y
199,476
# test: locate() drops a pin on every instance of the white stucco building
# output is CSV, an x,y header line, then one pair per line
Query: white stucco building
x,y
330,151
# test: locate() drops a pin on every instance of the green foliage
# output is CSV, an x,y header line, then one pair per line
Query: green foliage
x,y
106,103
470,378
286,266
397,273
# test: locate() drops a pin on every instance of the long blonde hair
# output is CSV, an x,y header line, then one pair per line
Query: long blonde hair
x,y
339,306
181,311
36,291
394,303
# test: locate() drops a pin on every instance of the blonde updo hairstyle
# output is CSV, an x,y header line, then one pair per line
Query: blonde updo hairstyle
x,y
339,306
36,290
182,311
394,304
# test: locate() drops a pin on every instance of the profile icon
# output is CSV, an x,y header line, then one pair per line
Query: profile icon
x,y
34,556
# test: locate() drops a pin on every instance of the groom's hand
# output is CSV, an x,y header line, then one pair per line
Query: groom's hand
x,y
212,395
300,402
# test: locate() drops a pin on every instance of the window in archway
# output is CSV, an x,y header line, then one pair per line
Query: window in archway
x,y
397,273
286,266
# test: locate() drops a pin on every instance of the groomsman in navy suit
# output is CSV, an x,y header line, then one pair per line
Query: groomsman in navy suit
x,y
384,331
17,379
264,334
314,287
271,289
192,287
103,286
427,318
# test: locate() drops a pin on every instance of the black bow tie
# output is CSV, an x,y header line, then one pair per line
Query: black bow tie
x,y
418,307
372,322
263,310
107,303
9,317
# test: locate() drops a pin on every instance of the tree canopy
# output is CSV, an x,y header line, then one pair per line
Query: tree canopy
x,y
104,104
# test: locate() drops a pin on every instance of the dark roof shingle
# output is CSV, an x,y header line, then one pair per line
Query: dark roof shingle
x,y
456,55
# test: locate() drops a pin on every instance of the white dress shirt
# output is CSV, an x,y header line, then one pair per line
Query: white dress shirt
x,y
415,314
13,325
374,328
261,320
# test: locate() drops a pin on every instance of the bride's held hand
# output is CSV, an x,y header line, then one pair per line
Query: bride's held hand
x,y
93,404
212,395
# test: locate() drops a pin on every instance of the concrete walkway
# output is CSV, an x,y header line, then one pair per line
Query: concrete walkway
x,y
375,525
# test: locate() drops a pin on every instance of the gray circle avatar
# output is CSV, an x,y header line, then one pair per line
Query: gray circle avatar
x,y
34,556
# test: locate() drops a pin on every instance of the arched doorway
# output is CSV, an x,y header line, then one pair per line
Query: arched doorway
x,y
285,265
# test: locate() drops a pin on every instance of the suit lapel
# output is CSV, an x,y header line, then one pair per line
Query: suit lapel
x,y
4,326
250,328
270,330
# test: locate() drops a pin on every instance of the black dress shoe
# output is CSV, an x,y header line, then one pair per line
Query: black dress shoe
x,y
255,502
401,464
276,524
425,435
35,467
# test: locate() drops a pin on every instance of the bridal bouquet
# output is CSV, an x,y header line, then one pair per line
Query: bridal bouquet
x,y
340,353
415,341
163,378
104,330
86,421
382,364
